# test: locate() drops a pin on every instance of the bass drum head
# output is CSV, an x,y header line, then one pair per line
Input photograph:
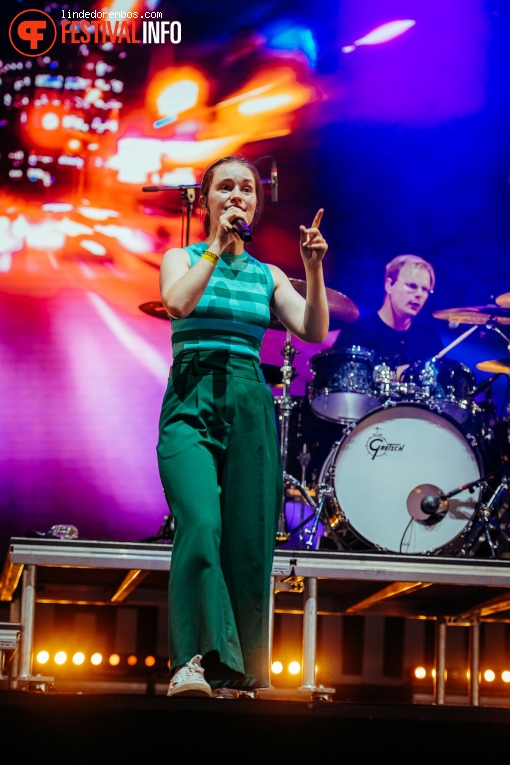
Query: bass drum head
x,y
383,468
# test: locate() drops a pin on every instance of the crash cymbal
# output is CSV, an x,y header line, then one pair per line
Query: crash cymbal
x,y
478,314
496,365
273,375
154,308
341,308
504,300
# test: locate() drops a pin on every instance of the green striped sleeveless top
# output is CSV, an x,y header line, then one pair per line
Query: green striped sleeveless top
x,y
233,311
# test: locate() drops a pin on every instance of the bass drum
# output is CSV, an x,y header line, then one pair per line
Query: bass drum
x,y
379,473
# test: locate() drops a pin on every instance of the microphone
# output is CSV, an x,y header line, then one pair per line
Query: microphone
x,y
274,182
431,504
242,228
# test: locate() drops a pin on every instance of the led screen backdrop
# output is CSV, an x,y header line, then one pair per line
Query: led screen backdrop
x,y
393,116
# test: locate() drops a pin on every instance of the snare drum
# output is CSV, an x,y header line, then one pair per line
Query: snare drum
x,y
342,389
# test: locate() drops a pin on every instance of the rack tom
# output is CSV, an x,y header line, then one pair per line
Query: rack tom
x,y
342,389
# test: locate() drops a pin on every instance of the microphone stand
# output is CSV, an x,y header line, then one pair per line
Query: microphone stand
x,y
485,521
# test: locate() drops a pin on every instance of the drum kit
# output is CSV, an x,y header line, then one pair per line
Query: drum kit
x,y
411,466
418,465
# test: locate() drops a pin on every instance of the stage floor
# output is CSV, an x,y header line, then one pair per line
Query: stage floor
x,y
90,728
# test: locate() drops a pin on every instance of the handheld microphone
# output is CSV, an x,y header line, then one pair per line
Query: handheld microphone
x,y
242,228
274,182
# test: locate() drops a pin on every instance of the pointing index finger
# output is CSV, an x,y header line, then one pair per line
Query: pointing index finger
x,y
318,218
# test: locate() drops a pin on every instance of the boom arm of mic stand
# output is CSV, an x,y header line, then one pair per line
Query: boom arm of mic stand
x,y
474,483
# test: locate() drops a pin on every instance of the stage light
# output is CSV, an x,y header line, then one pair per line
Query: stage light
x,y
95,248
50,121
505,676
174,91
132,661
286,36
96,659
294,667
265,104
381,34
489,675
60,657
43,657
420,673
78,658
114,660
150,661
277,667
96,213
178,97
57,207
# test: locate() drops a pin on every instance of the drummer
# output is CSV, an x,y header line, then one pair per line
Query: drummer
x,y
394,332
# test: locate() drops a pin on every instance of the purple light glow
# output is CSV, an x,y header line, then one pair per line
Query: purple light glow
x,y
437,73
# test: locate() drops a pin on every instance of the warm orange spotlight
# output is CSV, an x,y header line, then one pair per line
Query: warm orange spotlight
x,y
132,661
150,661
277,667
114,660
420,673
179,89
96,659
78,658
294,667
60,657
43,657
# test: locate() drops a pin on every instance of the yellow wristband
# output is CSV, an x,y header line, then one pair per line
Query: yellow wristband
x,y
210,256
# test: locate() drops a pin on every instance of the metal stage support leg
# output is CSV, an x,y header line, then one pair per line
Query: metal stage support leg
x,y
440,661
25,678
474,661
319,693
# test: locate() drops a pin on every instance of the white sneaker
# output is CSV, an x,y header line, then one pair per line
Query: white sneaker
x,y
189,680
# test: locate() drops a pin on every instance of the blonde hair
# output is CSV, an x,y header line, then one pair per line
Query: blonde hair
x,y
394,267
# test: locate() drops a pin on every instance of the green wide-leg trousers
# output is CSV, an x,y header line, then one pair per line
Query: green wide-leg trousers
x,y
220,466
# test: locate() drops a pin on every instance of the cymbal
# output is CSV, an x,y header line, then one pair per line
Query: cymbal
x,y
478,314
496,365
504,300
154,308
342,310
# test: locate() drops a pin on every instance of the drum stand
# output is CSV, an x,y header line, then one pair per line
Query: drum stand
x,y
323,492
486,524
286,405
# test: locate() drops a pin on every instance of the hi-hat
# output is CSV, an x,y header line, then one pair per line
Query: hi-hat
x,y
478,314
154,308
501,366
504,300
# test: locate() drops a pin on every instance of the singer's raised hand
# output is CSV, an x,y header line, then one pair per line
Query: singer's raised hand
x,y
312,244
